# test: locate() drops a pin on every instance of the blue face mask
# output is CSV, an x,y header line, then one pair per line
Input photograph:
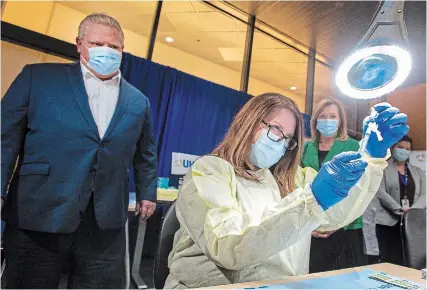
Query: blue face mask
x,y
265,152
104,60
400,154
327,127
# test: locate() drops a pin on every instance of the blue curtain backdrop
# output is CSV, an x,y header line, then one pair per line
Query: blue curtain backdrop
x,y
190,115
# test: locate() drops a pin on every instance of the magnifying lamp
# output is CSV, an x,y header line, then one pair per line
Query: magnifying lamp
x,y
380,62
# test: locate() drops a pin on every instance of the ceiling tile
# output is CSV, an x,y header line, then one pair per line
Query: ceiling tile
x,y
187,21
323,78
336,28
240,25
234,65
262,54
133,15
209,53
292,68
132,7
278,44
285,85
165,25
297,80
261,66
228,39
216,21
321,69
288,55
199,6
262,41
231,54
177,7
268,77
285,82
193,41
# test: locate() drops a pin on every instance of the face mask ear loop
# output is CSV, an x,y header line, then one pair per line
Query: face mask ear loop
x,y
87,47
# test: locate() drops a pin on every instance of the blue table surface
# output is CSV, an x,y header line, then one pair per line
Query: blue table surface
x,y
354,280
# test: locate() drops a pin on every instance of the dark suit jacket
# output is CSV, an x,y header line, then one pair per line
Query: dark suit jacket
x,y
47,122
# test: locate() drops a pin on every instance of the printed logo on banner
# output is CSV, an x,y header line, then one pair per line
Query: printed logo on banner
x,y
419,159
181,162
184,163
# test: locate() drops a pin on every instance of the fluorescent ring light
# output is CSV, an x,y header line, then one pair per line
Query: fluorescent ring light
x,y
404,65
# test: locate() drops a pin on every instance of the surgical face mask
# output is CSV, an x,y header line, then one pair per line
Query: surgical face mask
x,y
266,152
104,60
400,154
327,127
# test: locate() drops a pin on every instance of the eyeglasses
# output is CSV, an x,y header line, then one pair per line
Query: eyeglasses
x,y
275,134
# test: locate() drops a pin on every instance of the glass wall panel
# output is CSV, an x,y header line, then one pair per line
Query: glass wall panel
x,y
60,19
201,40
324,83
276,67
15,57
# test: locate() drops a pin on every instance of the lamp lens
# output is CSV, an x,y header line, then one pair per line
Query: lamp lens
x,y
373,72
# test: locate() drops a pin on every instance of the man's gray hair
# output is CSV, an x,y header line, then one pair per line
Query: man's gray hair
x,y
100,18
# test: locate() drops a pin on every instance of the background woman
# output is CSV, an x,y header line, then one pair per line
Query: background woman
x,y
343,248
402,183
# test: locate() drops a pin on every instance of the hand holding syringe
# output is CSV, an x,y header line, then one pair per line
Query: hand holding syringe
x,y
389,125
372,127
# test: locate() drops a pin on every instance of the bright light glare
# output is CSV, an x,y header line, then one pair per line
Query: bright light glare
x,y
293,88
169,39
404,65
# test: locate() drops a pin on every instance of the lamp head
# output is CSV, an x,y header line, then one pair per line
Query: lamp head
x,y
373,70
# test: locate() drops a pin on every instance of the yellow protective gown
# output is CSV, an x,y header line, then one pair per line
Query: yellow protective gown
x,y
235,230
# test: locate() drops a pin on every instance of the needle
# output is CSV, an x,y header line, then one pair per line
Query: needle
x,y
372,127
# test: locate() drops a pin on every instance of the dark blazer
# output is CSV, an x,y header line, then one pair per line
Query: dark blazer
x,y
47,122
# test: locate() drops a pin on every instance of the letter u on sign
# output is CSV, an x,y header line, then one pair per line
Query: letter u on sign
x,y
187,163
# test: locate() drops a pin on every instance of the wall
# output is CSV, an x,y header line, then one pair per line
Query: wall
x,y
412,101
15,57
61,22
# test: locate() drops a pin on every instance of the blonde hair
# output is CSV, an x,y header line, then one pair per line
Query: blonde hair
x,y
100,18
236,146
342,128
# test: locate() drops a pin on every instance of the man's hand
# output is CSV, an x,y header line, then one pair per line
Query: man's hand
x,y
145,209
322,235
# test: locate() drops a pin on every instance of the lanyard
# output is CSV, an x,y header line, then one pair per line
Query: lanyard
x,y
404,179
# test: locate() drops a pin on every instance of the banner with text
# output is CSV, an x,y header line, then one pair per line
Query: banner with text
x,y
181,162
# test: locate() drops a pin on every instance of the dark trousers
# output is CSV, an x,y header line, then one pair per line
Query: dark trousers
x,y
93,258
343,249
390,244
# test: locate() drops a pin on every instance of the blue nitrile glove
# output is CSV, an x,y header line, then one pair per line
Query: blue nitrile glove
x,y
337,177
392,125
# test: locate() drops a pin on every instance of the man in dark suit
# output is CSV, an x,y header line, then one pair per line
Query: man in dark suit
x,y
70,133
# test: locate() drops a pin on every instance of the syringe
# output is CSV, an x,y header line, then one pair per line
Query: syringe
x,y
372,127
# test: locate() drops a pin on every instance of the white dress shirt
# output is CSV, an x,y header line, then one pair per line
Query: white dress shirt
x,y
103,97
